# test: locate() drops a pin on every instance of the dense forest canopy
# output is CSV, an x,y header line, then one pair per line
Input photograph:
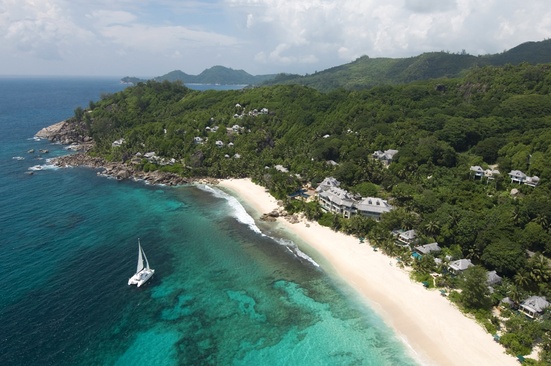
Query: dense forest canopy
x,y
492,117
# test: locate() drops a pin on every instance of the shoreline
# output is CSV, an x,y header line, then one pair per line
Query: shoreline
x,y
431,327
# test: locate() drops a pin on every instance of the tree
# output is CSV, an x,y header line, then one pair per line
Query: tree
x,y
504,255
475,293
79,113
538,269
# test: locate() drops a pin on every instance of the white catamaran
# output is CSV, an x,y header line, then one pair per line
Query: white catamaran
x,y
143,273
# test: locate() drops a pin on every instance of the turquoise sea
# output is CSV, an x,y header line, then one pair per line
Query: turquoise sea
x,y
226,291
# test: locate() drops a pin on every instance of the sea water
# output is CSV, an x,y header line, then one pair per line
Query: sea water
x,y
225,290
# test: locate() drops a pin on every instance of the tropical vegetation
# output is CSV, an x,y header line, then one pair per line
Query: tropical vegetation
x,y
498,117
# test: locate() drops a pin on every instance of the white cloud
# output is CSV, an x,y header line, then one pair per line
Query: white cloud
x,y
260,36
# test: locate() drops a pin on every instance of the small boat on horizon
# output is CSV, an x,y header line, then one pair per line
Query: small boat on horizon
x,y
143,272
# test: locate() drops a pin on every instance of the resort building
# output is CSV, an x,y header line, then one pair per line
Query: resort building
x,y
478,171
427,248
519,177
334,199
372,207
337,200
385,156
493,278
491,174
327,183
534,306
407,237
458,266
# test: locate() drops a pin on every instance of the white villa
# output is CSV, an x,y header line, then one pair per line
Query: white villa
x,y
428,248
481,173
339,201
519,177
385,156
534,306
327,183
406,237
458,266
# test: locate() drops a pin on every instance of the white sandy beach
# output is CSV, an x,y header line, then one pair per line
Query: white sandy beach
x,y
436,331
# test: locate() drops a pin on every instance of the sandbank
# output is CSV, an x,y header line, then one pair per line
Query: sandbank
x,y
436,332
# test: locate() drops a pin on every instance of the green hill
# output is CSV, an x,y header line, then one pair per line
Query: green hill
x,y
367,72
213,75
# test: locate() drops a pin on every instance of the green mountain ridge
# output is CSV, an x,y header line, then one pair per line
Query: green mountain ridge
x,y
214,75
367,72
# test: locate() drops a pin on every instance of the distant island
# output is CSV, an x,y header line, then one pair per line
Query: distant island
x,y
214,75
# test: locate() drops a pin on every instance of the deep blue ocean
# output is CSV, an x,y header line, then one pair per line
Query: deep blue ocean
x,y
226,291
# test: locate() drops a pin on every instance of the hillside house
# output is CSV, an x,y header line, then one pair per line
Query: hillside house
x,y
519,177
477,170
385,156
491,174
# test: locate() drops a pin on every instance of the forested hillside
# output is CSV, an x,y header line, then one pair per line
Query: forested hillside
x,y
497,117
368,72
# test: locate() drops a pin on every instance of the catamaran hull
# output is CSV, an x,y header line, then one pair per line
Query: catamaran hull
x,y
141,277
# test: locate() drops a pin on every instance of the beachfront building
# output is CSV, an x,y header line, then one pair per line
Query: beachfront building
x,y
337,201
372,207
407,237
327,183
385,156
334,199
534,306
427,249
458,266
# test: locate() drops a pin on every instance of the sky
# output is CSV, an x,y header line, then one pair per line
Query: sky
x,y
147,38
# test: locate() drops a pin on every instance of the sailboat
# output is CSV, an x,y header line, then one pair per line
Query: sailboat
x,y
143,273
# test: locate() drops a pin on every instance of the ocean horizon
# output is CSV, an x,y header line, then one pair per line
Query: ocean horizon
x,y
226,291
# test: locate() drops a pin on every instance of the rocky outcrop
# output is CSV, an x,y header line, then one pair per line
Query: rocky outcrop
x,y
119,171
68,133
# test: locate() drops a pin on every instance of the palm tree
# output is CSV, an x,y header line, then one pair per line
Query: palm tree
x,y
432,227
538,269
514,294
522,279
542,220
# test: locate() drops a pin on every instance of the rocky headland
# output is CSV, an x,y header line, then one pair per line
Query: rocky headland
x,y
69,133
